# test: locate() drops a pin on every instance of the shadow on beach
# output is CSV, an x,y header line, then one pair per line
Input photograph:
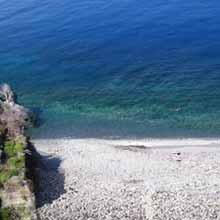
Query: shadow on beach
x,y
50,184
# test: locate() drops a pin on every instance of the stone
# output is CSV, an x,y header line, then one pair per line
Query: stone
x,y
6,94
179,201
14,118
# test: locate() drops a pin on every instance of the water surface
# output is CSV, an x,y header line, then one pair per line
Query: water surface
x,y
115,68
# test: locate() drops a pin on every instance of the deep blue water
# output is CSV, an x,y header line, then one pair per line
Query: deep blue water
x,y
126,68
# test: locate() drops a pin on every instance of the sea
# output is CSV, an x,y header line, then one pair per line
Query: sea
x,y
116,68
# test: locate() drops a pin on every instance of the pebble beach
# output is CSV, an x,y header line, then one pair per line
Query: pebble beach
x,y
99,179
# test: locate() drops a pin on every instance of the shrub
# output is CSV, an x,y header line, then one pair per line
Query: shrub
x,y
5,214
12,148
15,161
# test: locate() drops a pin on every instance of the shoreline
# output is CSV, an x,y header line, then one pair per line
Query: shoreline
x,y
150,143
123,179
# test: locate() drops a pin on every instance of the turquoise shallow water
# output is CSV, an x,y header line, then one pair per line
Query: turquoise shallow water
x,y
115,68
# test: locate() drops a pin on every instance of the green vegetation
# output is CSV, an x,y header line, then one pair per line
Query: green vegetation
x,y
13,165
15,161
5,214
15,193
12,148
13,213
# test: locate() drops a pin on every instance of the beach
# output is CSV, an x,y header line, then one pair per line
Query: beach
x,y
128,179
99,77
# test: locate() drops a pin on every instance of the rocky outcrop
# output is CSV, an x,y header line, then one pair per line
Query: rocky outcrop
x,y
6,94
17,200
14,118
